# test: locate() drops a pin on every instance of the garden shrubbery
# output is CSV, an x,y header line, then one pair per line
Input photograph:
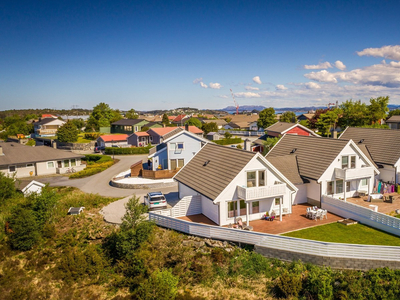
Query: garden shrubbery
x,y
94,164
125,151
92,135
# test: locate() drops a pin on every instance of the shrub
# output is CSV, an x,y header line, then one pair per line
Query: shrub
x,y
289,284
319,283
7,187
31,142
126,151
160,285
92,135
229,141
95,164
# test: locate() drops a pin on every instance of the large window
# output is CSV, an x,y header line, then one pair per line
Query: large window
x,y
66,163
73,162
12,168
255,207
50,165
242,211
339,186
348,162
232,208
352,162
173,164
180,163
345,162
364,182
261,178
329,188
128,128
251,179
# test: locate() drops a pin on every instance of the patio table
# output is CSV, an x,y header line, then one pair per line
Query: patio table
x,y
314,212
374,196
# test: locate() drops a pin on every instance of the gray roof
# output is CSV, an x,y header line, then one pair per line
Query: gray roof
x,y
210,179
45,121
172,133
288,166
280,127
314,154
128,122
382,144
15,153
393,119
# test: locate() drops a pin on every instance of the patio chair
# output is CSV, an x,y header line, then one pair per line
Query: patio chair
x,y
324,214
317,215
308,213
239,223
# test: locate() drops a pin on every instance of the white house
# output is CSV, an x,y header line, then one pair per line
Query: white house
x,y
327,166
47,126
229,183
383,146
176,150
33,187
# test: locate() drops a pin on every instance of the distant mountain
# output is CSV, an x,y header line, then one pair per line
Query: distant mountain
x,y
244,108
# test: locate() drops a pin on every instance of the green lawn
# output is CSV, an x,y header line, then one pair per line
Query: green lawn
x,y
81,139
352,234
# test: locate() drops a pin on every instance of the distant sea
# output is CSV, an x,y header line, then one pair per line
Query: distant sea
x,y
298,113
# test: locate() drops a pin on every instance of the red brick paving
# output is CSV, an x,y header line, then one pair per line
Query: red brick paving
x,y
295,221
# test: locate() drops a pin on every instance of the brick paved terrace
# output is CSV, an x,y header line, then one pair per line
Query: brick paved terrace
x,y
383,206
295,221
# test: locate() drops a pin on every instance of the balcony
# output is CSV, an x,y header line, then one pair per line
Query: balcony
x,y
351,174
261,192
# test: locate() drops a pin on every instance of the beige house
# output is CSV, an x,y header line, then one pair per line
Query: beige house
x,y
47,126
26,161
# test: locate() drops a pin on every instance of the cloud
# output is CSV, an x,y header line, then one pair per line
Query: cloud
x,y
338,64
389,52
281,87
257,79
252,88
312,85
247,95
321,76
324,65
395,64
216,86
203,85
197,80
223,96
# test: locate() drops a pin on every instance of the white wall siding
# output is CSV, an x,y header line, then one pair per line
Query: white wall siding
x,y
301,196
387,174
313,190
187,206
210,210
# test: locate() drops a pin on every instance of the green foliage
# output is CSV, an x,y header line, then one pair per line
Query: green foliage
x,y
165,120
328,121
43,205
266,118
209,127
24,227
289,284
31,142
67,133
131,114
79,123
319,283
92,135
305,123
228,141
227,135
7,187
354,113
159,286
394,112
134,213
269,143
102,116
126,151
239,147
288,117
378,109
194,122
376,125
95,164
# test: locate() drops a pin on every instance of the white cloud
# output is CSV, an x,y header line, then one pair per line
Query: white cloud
x,y
395,64
247,95
203,85
252,88
340,65
216,86
312,85
324,65
257,79
197,80
223,96
281,87
321,76
389,52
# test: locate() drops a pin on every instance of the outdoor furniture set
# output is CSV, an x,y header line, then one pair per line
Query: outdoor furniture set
x,y
239,225
315,213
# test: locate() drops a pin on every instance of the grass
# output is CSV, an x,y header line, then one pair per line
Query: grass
x,y
353,234
82,140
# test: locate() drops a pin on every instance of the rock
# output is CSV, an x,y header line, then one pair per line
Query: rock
x,y
208,243
198,244
187,243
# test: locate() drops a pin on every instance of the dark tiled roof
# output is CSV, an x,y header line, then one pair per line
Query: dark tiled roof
x,y
46,121
15,153
280,127
287,165
314,154
393,119
150,124
382,144
212,178
128,122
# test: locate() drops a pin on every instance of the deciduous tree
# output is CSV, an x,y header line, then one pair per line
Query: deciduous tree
x,y
210,127
131,114
68,133
378,109
266,118
194,122
288,117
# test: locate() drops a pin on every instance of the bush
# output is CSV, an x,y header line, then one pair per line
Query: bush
x,y
31,142
7,187
92,135
160,285
95,164
229,141
125,151
289,284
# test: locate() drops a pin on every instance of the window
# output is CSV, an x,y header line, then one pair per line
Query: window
x,y
329,188
172,146
179,146
232,208
50,164
73,162
29,165
255,207
181,162
12,169
136,128
348,186
364,182
127,128
151,138
66,163
261,178
345,162
352,162
277,201
173,164
59,164
242,211
251,179
339,186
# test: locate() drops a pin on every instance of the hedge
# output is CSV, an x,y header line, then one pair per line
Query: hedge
x,y
229,141
92,135
124,151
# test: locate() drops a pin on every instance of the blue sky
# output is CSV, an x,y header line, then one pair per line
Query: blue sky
x,y
166,54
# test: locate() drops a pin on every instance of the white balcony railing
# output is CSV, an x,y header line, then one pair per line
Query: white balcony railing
x,y
261,191
351,174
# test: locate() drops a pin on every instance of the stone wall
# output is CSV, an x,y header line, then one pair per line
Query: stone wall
x,y
76,146
333,262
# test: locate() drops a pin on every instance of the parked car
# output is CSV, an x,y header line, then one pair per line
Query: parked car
x,y
155,200
99,149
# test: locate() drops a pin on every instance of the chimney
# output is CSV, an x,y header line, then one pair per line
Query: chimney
x,y
54,144
334,134
187,127
247,145
1,150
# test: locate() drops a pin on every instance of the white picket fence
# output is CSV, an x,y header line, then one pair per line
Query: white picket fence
x,y
361,214
387,253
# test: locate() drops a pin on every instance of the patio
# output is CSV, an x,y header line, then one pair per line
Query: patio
x,y
383,207
295,221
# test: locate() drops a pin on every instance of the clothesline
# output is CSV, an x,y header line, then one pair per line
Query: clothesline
x,y
385,187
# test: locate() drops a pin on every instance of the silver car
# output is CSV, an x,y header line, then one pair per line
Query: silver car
x,y
155,200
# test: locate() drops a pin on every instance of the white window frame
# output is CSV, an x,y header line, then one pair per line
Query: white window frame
x,y
172,146
366,182
15,169
47,164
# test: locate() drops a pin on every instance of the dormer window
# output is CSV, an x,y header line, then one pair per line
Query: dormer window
x,y
349,162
